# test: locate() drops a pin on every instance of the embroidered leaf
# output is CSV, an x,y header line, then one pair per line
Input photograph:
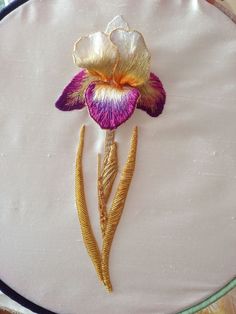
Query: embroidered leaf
x,y
117,207
106,176
109,171
86,229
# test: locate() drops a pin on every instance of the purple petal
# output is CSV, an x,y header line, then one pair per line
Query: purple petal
x,y
72,96
153,96
110,106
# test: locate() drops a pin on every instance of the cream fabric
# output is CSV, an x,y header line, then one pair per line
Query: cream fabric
x,y
176,240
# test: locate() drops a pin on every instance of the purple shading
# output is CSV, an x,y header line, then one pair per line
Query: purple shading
x,y
153,102
110,113
72,96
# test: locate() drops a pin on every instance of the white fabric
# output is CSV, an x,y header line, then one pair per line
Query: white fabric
x,y
175,243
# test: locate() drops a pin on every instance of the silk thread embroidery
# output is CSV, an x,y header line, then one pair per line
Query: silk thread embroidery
x,y
106,176
87,233
115,80
108,220
117,207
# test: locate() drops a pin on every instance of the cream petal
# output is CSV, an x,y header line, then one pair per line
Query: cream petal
x,y
97,54
117,22
134,58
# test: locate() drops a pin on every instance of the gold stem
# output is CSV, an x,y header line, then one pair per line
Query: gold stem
x,y
106,176
109,140
86,229
117,207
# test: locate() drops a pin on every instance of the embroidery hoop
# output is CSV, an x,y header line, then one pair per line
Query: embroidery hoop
x,y
15,296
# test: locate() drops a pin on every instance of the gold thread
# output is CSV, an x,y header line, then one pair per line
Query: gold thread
x,y
110,171
110,220
101,201
109,140
117,207
86,229
106,177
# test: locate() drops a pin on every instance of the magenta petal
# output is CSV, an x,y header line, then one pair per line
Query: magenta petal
x,y
72,96
110,106
153,96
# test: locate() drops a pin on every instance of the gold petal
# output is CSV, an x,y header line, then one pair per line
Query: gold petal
x,y
117,22
97,54
134,58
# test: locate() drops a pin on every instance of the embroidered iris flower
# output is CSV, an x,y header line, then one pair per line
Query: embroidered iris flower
x,y
115,78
